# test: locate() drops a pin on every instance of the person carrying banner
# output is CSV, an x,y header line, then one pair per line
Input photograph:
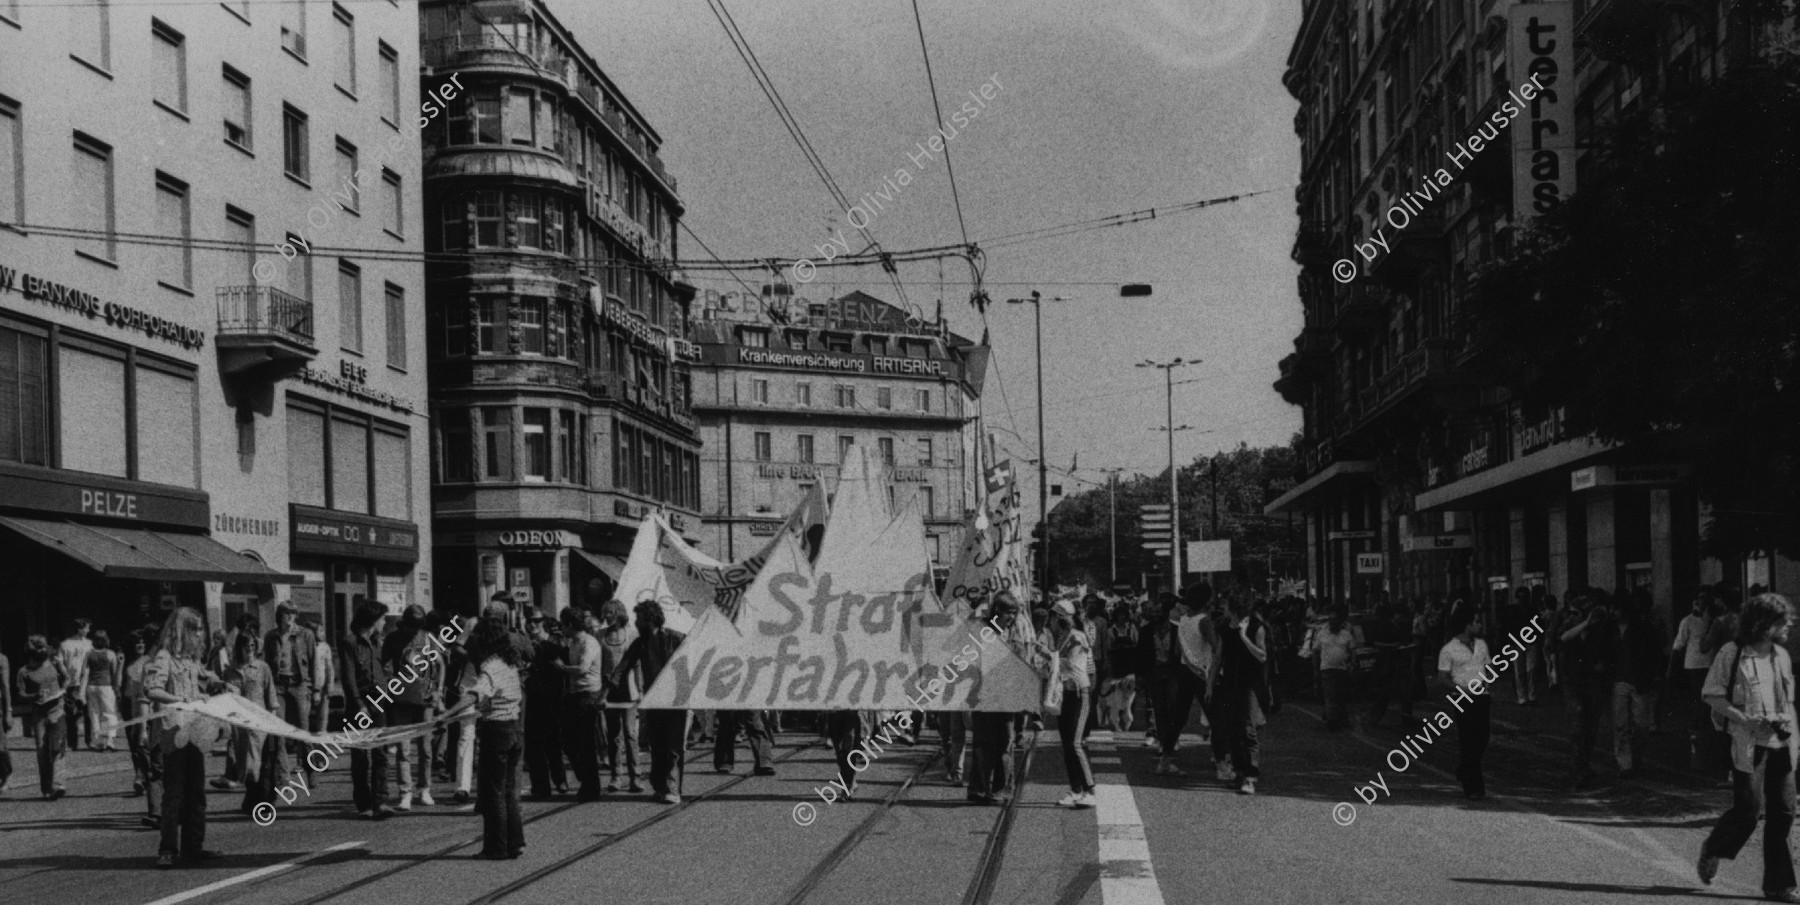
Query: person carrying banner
x,y
497,698
621,722
361,671
993,731
174,675
665,730
583,700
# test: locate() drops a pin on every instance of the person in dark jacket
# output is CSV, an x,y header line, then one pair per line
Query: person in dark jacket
x,y
1238,690
665,730
363,677
1638,663
1588,673
543,711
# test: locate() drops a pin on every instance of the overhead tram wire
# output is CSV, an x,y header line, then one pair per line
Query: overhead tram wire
x,y
938,110
741,44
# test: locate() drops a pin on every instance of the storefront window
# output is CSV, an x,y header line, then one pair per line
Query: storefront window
x,y
24,398
93,406
393,475
166,429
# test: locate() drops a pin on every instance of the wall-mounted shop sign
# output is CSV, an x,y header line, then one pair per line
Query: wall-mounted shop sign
x,y
802,472
1370,563
544,539
764,529
1365,534
677,521
1627,476
57,295
628,509
915,475
1535,434
50,490
829,362
351,381
225,523
1419,542
804,361
636,326
325,532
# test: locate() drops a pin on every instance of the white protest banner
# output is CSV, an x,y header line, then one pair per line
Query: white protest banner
x,y
196,722
992,557
860,630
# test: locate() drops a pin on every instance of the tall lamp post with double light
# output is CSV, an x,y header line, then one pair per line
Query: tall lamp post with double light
x,y
1036,301
1168,369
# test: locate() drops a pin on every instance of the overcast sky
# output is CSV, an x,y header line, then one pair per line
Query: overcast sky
x,y
1103,108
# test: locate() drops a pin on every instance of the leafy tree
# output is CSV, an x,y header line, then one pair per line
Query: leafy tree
x,y
1661,302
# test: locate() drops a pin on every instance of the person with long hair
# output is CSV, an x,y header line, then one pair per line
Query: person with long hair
x,y
1237,689
256,751
499,743
104,677
664,729
1073,649
616,636
421,684
43,685
1750,688
146,757
177,674
363,678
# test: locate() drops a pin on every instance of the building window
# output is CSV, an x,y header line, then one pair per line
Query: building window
x,y
537,444
496,440
175,266
349,196
803,394
845,441
393,202
390,80
487,219
344,54
877,344
568,447
804,448
487,324
295,158
396,326
240,231
349,463
925,452
529,217
168,65
886,447
884,397
306,455
458,448
521,106
350,336
476,119
531,325
90,32
752,338
92,201
764,446
759,391
393,472
846,396
924,400
293,27
299,270
24,398
237,109
93,384
928,497
12,163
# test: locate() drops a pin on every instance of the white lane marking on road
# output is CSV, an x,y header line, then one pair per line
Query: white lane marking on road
x,y
1677,867
1126,874
257,874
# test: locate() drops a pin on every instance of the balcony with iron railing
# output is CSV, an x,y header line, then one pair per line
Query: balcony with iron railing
x,y
488,48
263,332
1414,370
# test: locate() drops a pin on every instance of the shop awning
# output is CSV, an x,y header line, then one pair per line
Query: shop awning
x,y
609,565
1291,500
146,554
1486,487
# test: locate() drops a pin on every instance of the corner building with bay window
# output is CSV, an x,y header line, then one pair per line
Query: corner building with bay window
x,y
189,414
560,405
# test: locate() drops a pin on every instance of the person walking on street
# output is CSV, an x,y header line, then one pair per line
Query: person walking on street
x,y
403,655
462,733
1118,693
1076,667
1525,677
1463,666
1689,655
43,685
73,653
1391,635
257,752
360,669
146,755
105,673
1750,688
1587,652
176,674
1638,662
616,636
666,730
290,650
497,694
1160,655
1334,644
584,698
991,732
545,689
1238,687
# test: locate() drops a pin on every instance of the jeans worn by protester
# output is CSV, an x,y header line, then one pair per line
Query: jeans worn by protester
x,y
849,729
43,694
183,758
991,735
755,725
365,681
500,745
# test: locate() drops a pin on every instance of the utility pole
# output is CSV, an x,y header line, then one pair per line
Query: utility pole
x,y
1215,497
1168,369
1112,517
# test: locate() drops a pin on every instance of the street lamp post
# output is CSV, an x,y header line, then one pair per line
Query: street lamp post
x,y
1168,369
1132,290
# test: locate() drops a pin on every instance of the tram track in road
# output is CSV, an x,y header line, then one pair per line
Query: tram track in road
x,y
620,836
993,853
453,847
809,883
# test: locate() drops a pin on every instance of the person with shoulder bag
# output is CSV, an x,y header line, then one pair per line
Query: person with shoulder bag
x,y
1750,688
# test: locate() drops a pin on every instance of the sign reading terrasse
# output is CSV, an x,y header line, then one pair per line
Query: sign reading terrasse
x,y
860,630
57,295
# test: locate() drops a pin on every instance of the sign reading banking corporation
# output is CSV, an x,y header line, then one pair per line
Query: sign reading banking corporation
x,y
68,298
